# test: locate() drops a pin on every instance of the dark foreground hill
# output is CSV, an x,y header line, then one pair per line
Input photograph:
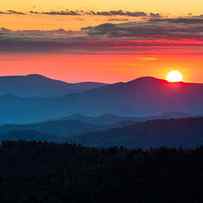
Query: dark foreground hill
x,y
50,173
187,132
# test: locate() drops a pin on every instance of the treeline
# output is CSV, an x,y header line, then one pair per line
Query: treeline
x,y
45,172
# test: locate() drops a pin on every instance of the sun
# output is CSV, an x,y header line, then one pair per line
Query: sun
x,y
174,76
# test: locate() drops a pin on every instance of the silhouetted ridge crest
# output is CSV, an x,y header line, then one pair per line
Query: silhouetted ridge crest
x,y
146,80
36,76
36,85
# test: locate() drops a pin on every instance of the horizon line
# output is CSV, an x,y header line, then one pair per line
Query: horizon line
x,y
92,81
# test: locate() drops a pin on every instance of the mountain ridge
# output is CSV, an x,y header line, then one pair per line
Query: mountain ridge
x,y
36,85
140,97
182,132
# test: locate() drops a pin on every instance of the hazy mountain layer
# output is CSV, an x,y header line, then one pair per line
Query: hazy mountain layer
x,y
187,132
40,86
143,97
168,133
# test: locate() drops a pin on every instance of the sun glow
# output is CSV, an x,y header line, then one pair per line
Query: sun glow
x,y
174,76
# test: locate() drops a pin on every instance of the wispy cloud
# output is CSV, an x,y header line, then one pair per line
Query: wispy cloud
x,y
62,12
69,12
93,13
118,13
181,20
12,12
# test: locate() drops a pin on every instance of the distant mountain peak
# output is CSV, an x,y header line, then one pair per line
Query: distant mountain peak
x,y
146,81
21,77
37,76
37,85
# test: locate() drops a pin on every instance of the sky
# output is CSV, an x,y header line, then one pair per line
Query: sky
x,y
145,38
163,6
103,68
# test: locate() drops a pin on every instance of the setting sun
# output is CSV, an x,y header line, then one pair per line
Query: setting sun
x,y
174,76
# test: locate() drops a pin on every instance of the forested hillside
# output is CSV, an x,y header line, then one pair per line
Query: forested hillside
x,y
52,173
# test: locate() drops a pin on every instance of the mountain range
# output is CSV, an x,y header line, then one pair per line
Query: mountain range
x,y
185,133
36,85
145,112
62,129
179,132
142,97
74,125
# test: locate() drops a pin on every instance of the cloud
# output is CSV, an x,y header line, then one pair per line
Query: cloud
x,y
15,12
118,20
118,13
68,12
2,13
123,38
189,20
12,12
154,27
97,13
62,12
155,15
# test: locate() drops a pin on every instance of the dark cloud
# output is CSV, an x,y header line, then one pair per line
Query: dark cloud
x,y
83,12
62,12
118,19
121,37
96,13
118,13
2,13
189,20
165,27
10,12
4,31
155,15
40,41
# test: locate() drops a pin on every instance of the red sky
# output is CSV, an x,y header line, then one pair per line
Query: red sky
x,y
108,53
103,67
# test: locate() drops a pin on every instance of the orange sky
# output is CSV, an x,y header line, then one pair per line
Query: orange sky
x,y
109,67
49,22
105,68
